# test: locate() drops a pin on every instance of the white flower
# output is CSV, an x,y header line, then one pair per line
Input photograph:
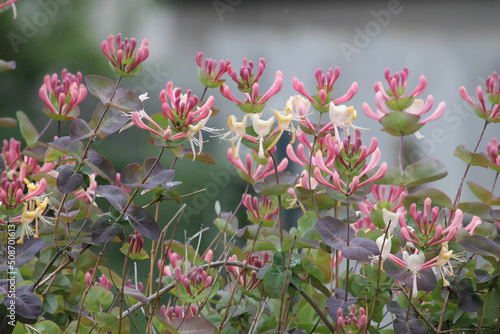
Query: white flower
x,y
262,129
414,263
392,218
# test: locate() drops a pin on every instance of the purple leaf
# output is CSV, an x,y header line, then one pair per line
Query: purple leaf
x,y
102,167
194,325
115,196
67,180
133,175
80,130
106,90
105,230
360,249
143,222
334,232
108,123
68,146
333,304
27,304
481,245
136,294
426,279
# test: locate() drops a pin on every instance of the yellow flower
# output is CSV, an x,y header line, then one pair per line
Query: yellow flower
x,y
443,259
32,211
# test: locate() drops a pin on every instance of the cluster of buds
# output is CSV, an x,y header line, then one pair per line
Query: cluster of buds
x,y
346,162
208,74
123,59
175,261
179,312
350,324
103,281
62,96
251,175
249,86
138,286
249,282
265,210
427,232
493,150
11,151
13,159
493,95
409,106
136,243
194,283
324,89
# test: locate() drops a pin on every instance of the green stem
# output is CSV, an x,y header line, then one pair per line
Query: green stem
x,y
280,208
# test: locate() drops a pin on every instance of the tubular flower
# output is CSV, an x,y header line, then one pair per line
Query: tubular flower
x,y
302,156
493,94
208,74
136,243
12,190
350,161
237,132
262,129
4,6
103,281
325,89
405,108
260,172
11,151
122,59
493,150
249,282
61,97
266,209
427,232
254,103
391,206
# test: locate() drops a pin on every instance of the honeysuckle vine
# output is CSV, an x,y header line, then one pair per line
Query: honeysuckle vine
x,y
327,237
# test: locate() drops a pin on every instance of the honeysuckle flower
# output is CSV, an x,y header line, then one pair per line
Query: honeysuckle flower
x,y
61,97
350,323
138,287
414,263
395,98
12,190
493,94
493,150
355,166
31,211
11,151
472,225
11,3
254,103
444,259
246,79
195,282
307,182
260,171
384,245
208,74
103,281
324,90
123,59
302,156
427,232
249,282
265,209
136,243
196,129
88,194
392,203
179,312
262,129
165,134
140,113
237,132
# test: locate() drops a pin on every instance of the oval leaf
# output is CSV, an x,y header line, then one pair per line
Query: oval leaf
x,y
104,230
80,130
133,175
269,186
474,159
481,245
68,146
193,325
67,180
424,171
143,222
115,196
102,167
28,131
334,232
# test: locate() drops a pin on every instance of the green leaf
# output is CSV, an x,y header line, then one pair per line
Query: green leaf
x,y
424,171
479,209
394,176
97,297
7,65
28,131
483,194
47,327
274,281
437,197
399,123
143,222
207,80
134,256
400,103
104,89
474,159
269,186
201,157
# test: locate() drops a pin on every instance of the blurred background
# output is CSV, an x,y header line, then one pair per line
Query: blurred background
x,y
452,43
